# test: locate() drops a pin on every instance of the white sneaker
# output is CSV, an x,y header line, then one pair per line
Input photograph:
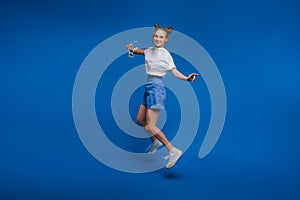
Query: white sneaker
x,y
154,146
174,155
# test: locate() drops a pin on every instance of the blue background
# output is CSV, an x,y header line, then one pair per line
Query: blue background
x,y
255,45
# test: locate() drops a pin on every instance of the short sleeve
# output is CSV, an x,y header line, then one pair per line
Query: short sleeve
x,y
147,50
169,62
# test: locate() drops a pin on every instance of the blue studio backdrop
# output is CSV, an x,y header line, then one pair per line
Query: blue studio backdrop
x,y
255,46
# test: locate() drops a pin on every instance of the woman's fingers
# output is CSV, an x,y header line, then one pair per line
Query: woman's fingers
x,y
129,46
192,76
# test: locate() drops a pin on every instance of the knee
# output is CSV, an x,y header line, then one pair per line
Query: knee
x,y
140,122
149,128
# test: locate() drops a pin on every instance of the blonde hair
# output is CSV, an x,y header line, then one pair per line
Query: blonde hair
x,y
167,30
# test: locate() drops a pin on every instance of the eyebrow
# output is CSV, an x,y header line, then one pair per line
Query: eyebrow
x,y
159,35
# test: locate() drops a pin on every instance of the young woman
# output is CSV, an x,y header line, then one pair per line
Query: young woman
x,y
158,61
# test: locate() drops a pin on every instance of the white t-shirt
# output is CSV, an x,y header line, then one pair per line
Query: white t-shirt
x,y
158,61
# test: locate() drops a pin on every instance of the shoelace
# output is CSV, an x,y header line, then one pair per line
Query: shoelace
x,y
167,157
149,147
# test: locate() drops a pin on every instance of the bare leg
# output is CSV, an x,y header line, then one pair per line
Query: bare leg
x,y
141,119
141,116
153,130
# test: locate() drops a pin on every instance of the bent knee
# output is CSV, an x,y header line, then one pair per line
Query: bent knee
x,y
140,122
149,128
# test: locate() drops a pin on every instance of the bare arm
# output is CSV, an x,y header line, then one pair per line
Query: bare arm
x,y
139,51
179,75
135,50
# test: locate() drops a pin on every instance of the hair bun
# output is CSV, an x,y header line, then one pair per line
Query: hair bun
x,y
156,26
169,29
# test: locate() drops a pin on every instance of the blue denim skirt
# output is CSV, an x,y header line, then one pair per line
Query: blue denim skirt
x,y
155,93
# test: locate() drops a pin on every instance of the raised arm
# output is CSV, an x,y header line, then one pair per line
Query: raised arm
x,y
139,51
135,50
179,75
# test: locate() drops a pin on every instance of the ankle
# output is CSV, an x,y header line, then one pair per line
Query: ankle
x,y
169,146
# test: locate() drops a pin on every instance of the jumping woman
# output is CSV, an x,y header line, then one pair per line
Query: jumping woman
x,y
158,61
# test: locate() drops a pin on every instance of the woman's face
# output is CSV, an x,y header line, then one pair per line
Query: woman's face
x,y
160,38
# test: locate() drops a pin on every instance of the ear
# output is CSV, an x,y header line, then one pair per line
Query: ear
x,y
156,26
169,29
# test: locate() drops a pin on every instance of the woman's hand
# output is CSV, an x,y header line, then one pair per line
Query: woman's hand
x,y
192,77
129,46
